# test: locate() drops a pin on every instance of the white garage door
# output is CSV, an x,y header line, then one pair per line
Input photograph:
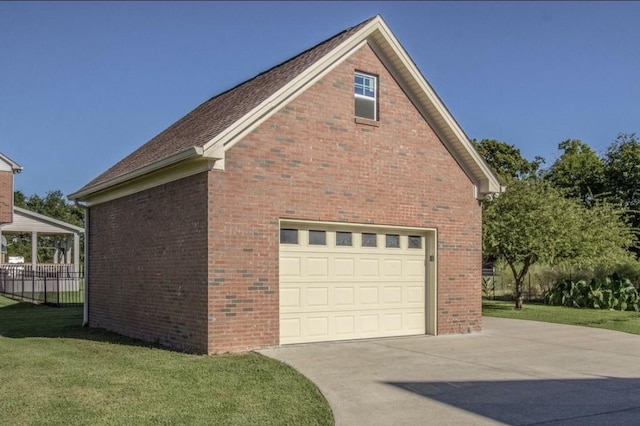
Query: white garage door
x,y
338,283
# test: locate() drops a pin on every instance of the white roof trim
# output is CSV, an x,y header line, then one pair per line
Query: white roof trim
x,y
15,167
375,32
72,229
187,154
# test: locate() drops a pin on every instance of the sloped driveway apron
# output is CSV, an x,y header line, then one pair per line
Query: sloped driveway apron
x,y
514,372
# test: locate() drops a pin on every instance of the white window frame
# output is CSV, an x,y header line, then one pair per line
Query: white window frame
x,y
373,98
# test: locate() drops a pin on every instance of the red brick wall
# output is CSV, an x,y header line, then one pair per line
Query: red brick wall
x,y
311,161
6,197
148,265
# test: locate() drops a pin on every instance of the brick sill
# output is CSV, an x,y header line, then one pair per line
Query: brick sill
x,y
367,122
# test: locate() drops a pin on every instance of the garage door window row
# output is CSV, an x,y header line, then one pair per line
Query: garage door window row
x,y
346,239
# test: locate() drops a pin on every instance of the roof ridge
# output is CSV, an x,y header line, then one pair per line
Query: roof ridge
x,y
287,61
217,113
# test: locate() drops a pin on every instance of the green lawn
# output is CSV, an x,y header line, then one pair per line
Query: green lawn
x,y
628,322
53,371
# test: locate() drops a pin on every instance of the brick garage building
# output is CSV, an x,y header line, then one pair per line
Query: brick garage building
x,y
331,197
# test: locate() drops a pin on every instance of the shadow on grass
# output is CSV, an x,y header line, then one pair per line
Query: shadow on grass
x,y
22,320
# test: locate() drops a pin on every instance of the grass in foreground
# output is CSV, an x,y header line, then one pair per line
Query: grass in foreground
x,y
53,371
629,322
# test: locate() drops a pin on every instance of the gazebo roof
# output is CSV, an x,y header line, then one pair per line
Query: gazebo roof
x,y
27,221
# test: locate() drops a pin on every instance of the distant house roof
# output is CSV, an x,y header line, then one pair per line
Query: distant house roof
x,y
9,164
216,125
27,221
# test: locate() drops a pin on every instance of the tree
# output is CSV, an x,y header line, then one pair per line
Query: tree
x,y
533,222
53,204
506,160
622,173
579,171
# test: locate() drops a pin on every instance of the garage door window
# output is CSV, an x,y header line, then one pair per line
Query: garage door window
x,y
288,236
393,241
344,239
317,238
415,242
369,240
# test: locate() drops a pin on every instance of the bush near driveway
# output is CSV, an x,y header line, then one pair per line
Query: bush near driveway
x,y
53,371
609,293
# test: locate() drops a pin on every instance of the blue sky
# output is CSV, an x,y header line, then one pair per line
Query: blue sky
x,y
84,84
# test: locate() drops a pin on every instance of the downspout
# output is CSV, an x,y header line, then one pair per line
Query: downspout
x,y
85,308
85,305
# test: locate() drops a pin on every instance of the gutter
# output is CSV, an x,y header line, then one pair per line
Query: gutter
x,y
192,152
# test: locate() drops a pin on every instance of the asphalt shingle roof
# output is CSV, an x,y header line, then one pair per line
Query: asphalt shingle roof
x,y
213,116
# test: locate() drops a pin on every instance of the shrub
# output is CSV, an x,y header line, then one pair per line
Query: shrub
x,y
608,293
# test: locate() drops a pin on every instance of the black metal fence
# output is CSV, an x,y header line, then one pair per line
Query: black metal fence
x,y
56,285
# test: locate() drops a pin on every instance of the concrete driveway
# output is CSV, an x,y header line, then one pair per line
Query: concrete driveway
x,y
514,372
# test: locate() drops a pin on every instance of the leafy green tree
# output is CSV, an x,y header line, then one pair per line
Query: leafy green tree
x,y
533,222
579,171
622,173
506,160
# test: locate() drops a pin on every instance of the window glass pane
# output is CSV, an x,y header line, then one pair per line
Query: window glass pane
x,y
369,240
344,239
318,238
366,108
393,241
288,236
415,242
365,85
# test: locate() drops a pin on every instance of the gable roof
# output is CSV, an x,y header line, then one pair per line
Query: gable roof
x,y
9,163
28,221
199,140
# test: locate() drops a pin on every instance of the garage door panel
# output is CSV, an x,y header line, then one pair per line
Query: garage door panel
x,y
348,292
415,295
369,324
318,327
392,295
415,321
414,269
369,267
344,296
344,267
369,295
392,322
345,325
317,297
290,298
391,268
289,266
317,266
290,329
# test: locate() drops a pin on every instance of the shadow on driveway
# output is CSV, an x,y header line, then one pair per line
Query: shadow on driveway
x,y
605,401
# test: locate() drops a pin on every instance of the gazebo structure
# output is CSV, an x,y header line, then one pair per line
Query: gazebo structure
x,y
58,282
27,222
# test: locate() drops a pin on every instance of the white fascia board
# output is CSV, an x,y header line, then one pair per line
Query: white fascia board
x,y
187,154
488,183
290,91
15,167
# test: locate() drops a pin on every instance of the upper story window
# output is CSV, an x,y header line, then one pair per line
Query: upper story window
x,y
365,89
